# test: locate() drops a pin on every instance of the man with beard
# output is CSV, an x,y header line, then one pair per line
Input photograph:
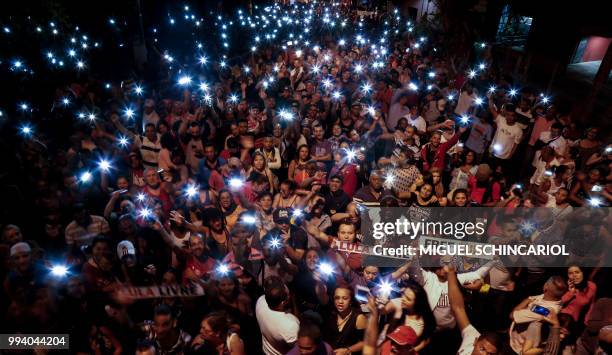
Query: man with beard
x,y
433,153
245,246
155,190
193,145
199,265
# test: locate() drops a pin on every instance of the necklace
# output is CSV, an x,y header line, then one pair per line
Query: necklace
x,y
342,321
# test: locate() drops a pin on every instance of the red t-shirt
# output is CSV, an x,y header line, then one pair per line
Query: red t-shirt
x,y
199,268
477,193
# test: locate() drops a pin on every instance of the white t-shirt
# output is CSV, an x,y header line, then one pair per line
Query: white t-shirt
x,y
539,176
442,311
506,138
469,335
419,123
418,325
559,144
278,329
464,102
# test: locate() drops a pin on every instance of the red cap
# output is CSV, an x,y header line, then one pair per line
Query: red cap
x,y
403,335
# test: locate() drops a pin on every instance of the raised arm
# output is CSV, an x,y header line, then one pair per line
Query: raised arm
x,y
456,299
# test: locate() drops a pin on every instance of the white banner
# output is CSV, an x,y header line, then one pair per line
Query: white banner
x,y
190,290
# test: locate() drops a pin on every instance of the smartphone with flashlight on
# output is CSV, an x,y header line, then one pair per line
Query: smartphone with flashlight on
x,y
362,294
540,310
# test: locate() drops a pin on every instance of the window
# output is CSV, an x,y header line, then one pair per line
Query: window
x,y
513,29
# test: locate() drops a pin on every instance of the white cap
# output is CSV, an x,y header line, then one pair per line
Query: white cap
x,y
125,247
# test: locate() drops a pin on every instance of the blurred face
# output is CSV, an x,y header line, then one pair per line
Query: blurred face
x,y
370,272
243,127
436,177
150,133
12,236
303,153
483,347
469,158
594,175
425,191
152,178
196,246
334,185
226,286
163,324
592,133
22,260
460,199
342,299
216,224
122,183
259,162
435,140
510,118
285,191
306,346
312,260
99,250
209,153
561,196
76,287
575,275
168,279
336,130
346,233
375,181
510,230
318,132
268,143
265,202
225,200
408,299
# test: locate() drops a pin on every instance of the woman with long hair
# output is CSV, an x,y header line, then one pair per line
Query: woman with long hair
x,y
346,324
580,296
412,309
230,209
462,173
260,165
297,167
218,336
226,295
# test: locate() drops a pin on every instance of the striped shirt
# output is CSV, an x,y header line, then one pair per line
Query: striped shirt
x,y
149,150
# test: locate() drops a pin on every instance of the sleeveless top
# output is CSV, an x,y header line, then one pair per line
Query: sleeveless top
x,y
346,337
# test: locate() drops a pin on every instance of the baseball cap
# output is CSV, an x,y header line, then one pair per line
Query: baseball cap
x,y
403,335
281,215
337,177
125,248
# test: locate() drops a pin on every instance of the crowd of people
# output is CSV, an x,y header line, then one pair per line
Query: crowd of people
x,y
244,184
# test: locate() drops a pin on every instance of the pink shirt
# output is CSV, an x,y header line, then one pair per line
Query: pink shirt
x,y
541,125
583,299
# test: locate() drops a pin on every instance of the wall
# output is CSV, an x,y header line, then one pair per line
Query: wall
x,y
596,48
